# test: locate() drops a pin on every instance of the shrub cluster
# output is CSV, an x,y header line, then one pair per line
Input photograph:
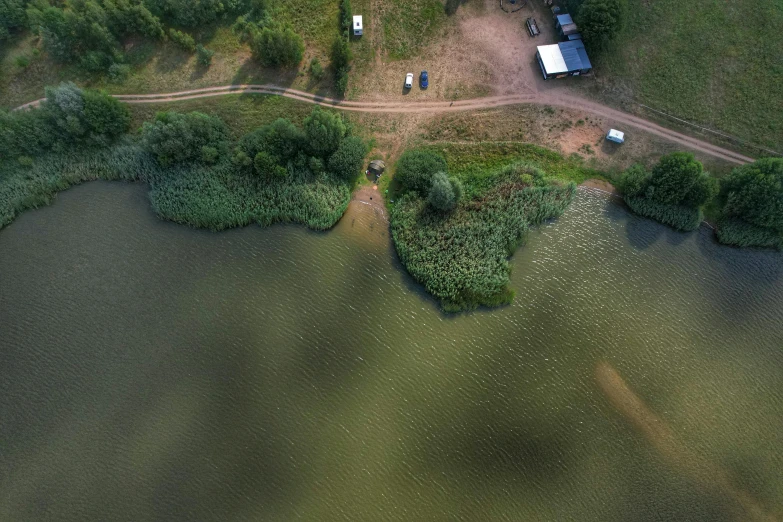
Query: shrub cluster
x,y
599,22
179,138
12,16
346,17
752,205
277,45
460,252
183,40
70,117
672,193
341,63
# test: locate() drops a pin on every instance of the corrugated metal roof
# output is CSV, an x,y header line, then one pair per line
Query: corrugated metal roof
x,y
564,19
574,55
552,58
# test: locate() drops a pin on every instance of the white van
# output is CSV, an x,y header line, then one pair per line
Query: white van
x,y
357,25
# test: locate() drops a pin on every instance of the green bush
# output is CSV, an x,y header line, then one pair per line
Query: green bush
x,y
324,132
278,45
736,232
754,193
12,17
346,17
415,169
672,193
677,216
599,22
119,72
204,55
316,69
281,139
176,138
341,59
182,40
348,160
444,192
22,61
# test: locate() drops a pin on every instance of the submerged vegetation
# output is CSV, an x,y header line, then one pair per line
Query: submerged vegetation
x,y
277,172
454,234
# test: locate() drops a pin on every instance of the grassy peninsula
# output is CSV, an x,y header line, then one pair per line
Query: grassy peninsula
x,y
462,210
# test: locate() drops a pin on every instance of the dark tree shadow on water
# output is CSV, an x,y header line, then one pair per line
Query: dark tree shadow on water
x,y
643,233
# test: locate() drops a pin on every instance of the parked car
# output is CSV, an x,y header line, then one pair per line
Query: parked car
x,y
409,81
424,80
615,136
532,26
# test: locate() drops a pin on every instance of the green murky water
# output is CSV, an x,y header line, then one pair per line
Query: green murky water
x,y
153,372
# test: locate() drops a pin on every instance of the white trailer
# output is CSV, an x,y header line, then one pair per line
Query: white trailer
x,y
358,27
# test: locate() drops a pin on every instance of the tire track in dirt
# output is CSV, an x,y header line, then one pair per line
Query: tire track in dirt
x,y
402,107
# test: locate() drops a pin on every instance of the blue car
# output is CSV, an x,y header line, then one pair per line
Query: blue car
x,y
424,80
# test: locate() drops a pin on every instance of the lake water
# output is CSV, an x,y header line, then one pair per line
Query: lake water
x,y
149,371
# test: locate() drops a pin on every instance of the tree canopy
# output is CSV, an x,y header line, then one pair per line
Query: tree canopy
x,y
599,21
415,169
754,193
445,192
278,45
176,138
324,131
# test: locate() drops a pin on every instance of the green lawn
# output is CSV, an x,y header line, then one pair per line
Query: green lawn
x,y
715,63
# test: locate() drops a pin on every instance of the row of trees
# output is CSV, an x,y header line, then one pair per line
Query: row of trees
x,y
271,152
70,117
677,188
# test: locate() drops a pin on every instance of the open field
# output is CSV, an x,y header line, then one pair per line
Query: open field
x,y
717,64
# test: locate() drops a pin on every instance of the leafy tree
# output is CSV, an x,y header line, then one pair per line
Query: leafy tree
x,y
678,179
281,139
633,181
175,138
204,55
324,132
87,116
754,193
444,192
415,169
599,22
183,40
12,17
348,159
268,166
278,45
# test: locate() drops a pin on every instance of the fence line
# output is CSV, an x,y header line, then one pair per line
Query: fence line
x,y
729,136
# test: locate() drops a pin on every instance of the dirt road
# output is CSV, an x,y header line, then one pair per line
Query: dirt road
x,y
552,98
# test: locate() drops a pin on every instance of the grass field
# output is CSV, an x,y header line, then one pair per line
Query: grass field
x,y
409,24
714,63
